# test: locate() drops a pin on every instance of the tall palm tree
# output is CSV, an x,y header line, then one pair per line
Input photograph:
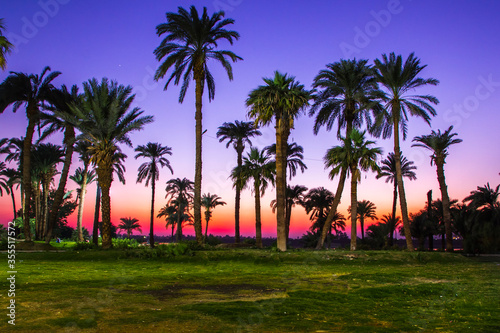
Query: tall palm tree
x,y
61,119
399,80
149,171
282,99
365,209
107,120
82,148
129,224
357,155
190,42
5,46
258,167
347,92
439,143
82,178
12,178
45,157
209,202
180,193
294,195
294,157
388,170
33,91
239,134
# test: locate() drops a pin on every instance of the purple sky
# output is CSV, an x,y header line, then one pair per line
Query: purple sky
x,y
458,40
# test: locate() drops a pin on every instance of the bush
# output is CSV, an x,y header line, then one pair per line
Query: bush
x,y
213,240
81,246
124,243
164,250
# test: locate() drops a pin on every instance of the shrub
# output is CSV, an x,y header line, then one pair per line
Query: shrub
x,y
124,243
80,246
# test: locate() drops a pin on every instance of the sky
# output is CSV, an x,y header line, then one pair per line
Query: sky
x,y
457,40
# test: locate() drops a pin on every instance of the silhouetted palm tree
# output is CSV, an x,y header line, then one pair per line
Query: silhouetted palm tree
x,y
82,148
33,91
190,42
347,93
209,202
107,120
149,171
129,225
392,223
365,209
180,193
388,170
82,178
399,80
439,143
12,178
5,46
258,167
294,157
281,99
357,155
484,197
239,134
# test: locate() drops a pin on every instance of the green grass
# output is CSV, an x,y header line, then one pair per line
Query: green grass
x,y
255,291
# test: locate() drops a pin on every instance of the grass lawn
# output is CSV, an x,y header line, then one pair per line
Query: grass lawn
x,y
254,291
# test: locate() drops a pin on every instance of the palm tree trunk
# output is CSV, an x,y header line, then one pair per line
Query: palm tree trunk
x,y
237,199
258,224
69,140
151,223
207,219
31,113
429,216
394,207
45,208
280,188
38,213
288,217
402,196
198,160
446,206
95,227
333,209
83,190
354,208
104,176
13,201
178,235
362,225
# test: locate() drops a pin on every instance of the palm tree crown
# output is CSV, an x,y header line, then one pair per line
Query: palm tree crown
x,y
5,46
129,224
209,202
294,157
438,143
347,91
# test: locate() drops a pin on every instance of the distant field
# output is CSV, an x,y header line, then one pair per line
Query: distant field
x,y
254,291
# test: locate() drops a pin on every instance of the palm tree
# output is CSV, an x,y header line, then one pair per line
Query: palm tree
x,y
82,148
169,213
400,80
484,197
5,46
317,202
282,99
392,223
13,177
129,225
388,170
82,178
45,157
32,90
356,155
258,167
294,195
439,143
61,119
180,193
365,209
3,179
294,157
347,93
106,121
209,202
149,171
239,134
189,43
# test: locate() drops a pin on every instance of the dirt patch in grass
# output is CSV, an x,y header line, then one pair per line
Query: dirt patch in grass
x,y
218,291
